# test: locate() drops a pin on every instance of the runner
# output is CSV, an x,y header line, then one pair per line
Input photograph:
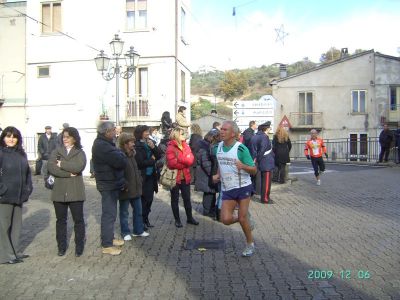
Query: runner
x,y
313,150
235,166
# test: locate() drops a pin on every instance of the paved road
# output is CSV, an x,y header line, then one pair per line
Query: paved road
x,y
346,229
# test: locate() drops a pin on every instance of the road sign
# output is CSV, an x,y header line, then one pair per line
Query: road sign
x,y
285,122
261,111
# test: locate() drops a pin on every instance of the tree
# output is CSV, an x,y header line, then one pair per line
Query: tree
x,y
300,66
233,85
331,55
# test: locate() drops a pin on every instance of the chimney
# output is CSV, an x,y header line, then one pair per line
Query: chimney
x,y
344,52
282,70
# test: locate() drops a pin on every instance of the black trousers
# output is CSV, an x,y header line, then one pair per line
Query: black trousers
x,y
384,152
266,178
147,195
185,191
318,165
209,204
281,172
61,209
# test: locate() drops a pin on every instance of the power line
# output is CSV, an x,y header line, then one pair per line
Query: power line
x,y
40,22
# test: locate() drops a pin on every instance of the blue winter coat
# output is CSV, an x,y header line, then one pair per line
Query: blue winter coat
x,y
260,145
109,164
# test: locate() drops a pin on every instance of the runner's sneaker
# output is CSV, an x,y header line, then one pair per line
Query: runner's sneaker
x,y
319,182
249,250
143,234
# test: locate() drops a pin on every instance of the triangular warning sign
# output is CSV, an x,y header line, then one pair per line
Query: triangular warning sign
x,y
285,122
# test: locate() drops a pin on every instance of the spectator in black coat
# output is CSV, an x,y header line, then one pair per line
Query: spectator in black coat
x,y
261,151
206,168
15,189
166,123
281,146
249,133
108,163
385,140
46,144
195,138
147,154
397,136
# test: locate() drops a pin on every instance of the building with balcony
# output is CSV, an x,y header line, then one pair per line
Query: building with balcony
x,y
349,98
12,64
57,42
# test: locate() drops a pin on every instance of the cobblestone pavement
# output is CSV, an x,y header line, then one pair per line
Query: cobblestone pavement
x,y
336,241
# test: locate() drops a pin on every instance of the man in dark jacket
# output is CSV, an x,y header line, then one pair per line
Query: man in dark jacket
x,y
249,133
397,136
108,163
385,140
247,136
46,144
261,151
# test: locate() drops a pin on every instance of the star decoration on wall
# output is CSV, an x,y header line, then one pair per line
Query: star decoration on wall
x,y
281,34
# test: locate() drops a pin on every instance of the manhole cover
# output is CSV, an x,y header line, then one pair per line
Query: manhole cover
x,y
206,244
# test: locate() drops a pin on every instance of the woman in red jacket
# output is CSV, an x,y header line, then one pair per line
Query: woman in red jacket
x,y
180,157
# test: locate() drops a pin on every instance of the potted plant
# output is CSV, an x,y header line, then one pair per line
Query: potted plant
x,y
104,116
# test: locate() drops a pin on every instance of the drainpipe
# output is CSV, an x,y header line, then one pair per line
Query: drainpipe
x,y
176,56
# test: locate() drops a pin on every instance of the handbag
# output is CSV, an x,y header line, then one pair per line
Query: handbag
x,y
49,182
168,177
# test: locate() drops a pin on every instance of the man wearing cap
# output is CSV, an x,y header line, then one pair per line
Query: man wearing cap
x,y
261,151
59,136
46,144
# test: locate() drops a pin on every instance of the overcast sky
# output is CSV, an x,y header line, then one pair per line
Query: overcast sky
x,y
310,28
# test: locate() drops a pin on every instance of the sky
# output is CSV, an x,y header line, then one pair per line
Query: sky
x,y
311,27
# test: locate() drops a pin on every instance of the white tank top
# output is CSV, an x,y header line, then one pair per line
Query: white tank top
x,y
231,177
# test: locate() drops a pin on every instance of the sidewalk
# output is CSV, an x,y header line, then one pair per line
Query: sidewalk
x,y
350,224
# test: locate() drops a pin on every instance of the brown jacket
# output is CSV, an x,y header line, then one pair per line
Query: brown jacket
x,y
133,180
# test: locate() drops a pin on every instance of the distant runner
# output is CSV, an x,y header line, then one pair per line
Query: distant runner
x,y
313,150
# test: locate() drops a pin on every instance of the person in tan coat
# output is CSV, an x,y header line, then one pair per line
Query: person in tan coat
x,y
182,121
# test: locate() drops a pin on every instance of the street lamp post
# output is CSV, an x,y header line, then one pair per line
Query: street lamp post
x,y
109,71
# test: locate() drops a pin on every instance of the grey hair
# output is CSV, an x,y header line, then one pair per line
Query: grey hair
x,y
235,127
313,130
103,127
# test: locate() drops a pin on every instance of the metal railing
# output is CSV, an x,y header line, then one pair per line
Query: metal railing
x,y
347,150
306,120
137,106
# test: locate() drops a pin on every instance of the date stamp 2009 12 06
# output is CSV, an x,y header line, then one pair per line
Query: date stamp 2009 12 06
x,y
340,274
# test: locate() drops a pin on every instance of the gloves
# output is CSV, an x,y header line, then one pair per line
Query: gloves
x,y
326,155
308,157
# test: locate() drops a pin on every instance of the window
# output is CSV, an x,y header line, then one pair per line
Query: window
x,y
394,98
136,14
358,101
306,108
138,103
183,86
43,71
183,26
51,17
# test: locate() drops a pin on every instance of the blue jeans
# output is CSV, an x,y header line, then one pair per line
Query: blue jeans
x,y
138,226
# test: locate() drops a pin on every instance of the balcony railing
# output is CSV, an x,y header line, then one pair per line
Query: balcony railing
x,y
306,120
137,107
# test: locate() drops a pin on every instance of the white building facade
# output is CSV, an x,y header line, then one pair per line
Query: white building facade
x,y
63,84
